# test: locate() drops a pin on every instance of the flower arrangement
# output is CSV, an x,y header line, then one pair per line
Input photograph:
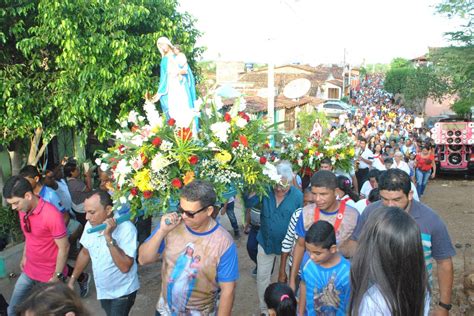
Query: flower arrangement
x,y
306,153
152,158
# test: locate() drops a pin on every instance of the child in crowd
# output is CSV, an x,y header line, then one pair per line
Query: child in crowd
x,y
288,244
280,300
325,276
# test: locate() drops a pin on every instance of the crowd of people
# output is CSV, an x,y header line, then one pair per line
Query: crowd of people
x,y
355,241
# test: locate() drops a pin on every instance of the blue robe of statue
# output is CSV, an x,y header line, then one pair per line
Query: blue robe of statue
x,y
177,92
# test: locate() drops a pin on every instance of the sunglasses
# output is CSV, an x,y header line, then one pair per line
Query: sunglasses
x,y
26,222
191,214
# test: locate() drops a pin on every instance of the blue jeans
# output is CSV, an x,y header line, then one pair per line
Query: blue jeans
x,y
120,306
422,178
231,215
22,290
252,243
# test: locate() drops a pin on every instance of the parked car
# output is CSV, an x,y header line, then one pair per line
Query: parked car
x,y
335,108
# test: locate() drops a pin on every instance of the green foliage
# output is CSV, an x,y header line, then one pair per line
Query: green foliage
x,y
461,9
422,83
377,68
396,79
399,62
81,63
10,225
306,121
455,64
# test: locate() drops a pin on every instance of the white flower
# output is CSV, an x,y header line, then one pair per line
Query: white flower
x,y
220,130
242,104
123,200
159,162
104,166
218,102
136,163
271,171
98,161
152,115
166,145
212,145
123,124
240,122
137,140
132,117
198,103
122,171
140,118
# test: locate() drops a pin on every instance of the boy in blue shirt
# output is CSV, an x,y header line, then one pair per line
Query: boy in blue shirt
x,y
325,274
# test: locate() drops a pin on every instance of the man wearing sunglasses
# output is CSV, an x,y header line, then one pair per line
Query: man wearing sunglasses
x,y
46,243
199,256
277,208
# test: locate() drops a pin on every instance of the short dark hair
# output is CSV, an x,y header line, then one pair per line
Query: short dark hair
x,y
395,180
327,161
69,168
324,179
200,191
16,186
321,234
104,196
30,172
374,195
374,173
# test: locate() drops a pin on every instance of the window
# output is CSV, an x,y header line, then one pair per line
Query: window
x,y
333,93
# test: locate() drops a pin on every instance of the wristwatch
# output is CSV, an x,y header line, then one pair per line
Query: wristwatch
x,y
445,306
111,243
60,276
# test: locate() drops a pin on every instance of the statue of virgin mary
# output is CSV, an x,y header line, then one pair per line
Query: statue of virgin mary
x,y
176,90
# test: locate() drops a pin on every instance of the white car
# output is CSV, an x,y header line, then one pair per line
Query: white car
x,y
335,108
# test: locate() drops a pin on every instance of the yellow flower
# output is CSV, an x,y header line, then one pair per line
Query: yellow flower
x,y
155,129
311,152
188,177
143,180
223,156
351,151
342,156
250,175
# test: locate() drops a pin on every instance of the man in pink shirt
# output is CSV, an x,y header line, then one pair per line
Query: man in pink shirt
x,y
46,243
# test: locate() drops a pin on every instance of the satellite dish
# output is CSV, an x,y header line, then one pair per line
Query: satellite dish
x,y
228,92
297,88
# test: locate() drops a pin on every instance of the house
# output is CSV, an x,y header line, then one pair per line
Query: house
x,y
326,84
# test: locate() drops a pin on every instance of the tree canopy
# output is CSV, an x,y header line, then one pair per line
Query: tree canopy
x,y
81,63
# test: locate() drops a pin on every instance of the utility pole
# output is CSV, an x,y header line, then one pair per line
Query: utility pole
x,y
271,98
344,75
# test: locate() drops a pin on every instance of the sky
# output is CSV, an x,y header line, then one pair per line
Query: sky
x,y
317,31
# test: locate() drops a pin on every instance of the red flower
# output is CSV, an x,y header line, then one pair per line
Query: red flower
x,y
306,151
185,133
244,116
156,141
121,149
266,145
134,191
176,183
134,128
171,122
193,159
263,160
147,194
244,140
235,144
227,117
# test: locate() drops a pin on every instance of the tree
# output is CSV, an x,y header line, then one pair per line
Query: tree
x,y
455,64
399,62
396,79
79,64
